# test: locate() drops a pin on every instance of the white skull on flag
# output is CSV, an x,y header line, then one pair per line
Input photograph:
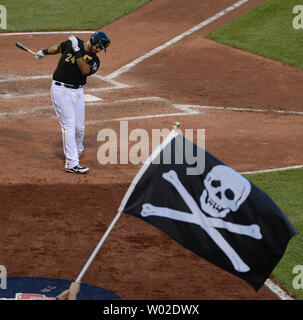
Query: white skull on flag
x,y
225,190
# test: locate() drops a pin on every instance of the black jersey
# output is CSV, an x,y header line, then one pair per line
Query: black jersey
x,y
67,70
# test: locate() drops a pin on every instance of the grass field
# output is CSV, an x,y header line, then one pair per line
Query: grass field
x,y
286,189
266,30
33,15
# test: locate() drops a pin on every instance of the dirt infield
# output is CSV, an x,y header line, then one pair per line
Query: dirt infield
x,y
51,221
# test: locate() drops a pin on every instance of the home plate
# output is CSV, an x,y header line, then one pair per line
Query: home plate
x,y
90,98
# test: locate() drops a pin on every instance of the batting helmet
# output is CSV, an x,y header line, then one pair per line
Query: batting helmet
x,y
101,38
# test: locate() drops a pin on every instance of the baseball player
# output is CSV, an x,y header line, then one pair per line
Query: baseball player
x,y
78,60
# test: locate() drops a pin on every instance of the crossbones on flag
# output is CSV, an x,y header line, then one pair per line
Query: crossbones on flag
x,y
218,214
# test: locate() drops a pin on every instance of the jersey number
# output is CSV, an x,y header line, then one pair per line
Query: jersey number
x,y
72,59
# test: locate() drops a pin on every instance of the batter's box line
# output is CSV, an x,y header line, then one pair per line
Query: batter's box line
x,y
46,94
11,78
40,109
115,85
189,110
186,112
151,116
138,99
188,107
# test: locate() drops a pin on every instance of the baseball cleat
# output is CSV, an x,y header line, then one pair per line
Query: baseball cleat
x,y
78,169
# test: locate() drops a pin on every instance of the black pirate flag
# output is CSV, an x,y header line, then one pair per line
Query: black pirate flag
x,y
217,213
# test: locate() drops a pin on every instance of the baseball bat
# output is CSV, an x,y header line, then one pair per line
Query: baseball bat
x,y
25,48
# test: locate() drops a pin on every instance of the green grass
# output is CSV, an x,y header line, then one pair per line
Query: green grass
x,y
286,189
41,15
266,30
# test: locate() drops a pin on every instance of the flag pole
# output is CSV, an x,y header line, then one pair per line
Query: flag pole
x,y
131,188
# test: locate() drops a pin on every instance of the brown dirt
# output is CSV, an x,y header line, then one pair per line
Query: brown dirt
x,y
52,221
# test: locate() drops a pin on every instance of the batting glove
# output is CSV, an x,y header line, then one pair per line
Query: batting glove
x,y
75,44
39,55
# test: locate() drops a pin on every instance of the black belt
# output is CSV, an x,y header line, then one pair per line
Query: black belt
x,y
69,86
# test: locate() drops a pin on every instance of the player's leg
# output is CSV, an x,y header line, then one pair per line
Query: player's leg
x,y
62,101
79,119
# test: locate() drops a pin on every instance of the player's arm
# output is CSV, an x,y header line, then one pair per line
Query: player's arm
x,y
83,66
88,67
51,50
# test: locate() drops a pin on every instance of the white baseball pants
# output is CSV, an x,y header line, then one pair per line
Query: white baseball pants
x,y
70,110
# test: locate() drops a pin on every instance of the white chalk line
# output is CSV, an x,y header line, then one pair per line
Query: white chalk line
x,y
115,85
151,116
11,96
156,99
24,112
174,40
274,170
12,78
277,290
188,107
241,109
112,82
